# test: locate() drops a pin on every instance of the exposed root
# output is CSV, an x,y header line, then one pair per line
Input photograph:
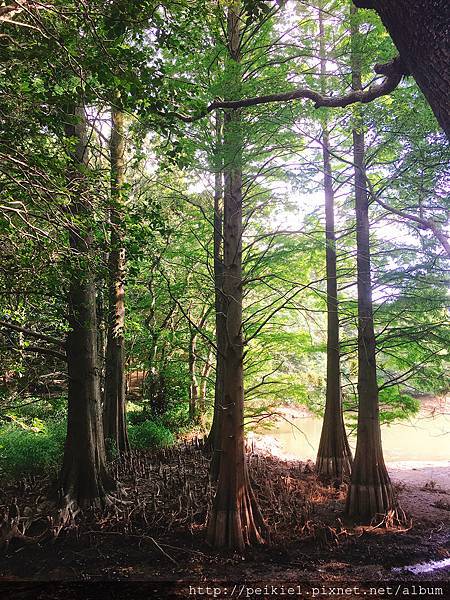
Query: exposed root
x,y
170,491
394,518
323,534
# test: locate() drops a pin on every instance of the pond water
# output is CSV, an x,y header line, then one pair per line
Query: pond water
x,y
425,437
429,567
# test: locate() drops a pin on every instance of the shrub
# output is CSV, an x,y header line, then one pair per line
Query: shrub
x,y
150,434
136,413
37,450
28,451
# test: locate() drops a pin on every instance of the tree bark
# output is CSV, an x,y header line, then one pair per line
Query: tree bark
x,y
83,479
203,388
235,520
114,417
193,387
334,457
219,306
370,491
420,29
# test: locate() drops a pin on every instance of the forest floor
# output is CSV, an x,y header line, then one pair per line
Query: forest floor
x,y
155,532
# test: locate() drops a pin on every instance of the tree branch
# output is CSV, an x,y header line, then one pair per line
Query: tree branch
x,y
39,350
43,350
30,332
393,72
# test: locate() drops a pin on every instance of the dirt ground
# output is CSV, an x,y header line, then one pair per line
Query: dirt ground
x,y
150,541
424,488
156,535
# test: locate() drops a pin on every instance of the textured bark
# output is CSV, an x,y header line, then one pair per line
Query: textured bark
x,y
101,329
421,31
114,418
235,520
219,307
83,478
370,491
334,457
203,388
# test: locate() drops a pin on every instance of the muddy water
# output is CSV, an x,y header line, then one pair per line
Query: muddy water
x,y
423,438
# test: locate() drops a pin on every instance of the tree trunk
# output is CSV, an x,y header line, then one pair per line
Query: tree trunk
x,y
219,305
202,389
101,330
114,417
420,29
235,520
83,478
371,490
334,457
193,388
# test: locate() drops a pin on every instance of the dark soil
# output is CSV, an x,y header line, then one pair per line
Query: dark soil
x,y
155,531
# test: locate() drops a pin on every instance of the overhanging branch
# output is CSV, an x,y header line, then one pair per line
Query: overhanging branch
x,y
393,72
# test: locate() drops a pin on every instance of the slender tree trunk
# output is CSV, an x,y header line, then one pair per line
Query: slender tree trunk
x,y
370,491
235,520
421,31
114,417
334,457
203,388
83,479
193,388
101,331
219,306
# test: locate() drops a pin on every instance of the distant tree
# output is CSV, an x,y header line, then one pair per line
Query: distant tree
x,y
114,419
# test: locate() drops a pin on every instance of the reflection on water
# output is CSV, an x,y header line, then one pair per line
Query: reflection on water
x,y
422,438
425,567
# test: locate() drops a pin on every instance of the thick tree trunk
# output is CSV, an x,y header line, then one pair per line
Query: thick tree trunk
x,y
114,417
83,478
219,306
421,31
371,491
235,520
334,457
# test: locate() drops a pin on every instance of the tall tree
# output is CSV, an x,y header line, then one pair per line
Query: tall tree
x,y
235,519
220,322
421,31
371,491
334,456
83,478
115,427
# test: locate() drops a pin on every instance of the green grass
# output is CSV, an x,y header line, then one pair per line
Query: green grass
x,y
38,449
26,452
150,434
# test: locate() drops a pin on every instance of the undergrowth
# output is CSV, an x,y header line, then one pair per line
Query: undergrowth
x,y
32,446
26,451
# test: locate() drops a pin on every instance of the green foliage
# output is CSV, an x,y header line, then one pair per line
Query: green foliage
x,y
35,407
28,451
157,61
396,405
150,434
